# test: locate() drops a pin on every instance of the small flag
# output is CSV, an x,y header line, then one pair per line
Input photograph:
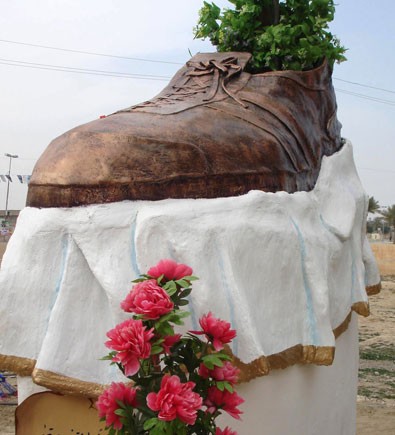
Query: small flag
x,y
3,178
20,178
9,178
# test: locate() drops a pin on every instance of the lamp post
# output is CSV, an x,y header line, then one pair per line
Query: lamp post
x,y
10,156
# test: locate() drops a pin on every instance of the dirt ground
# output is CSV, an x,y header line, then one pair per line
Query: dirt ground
x,y
376,392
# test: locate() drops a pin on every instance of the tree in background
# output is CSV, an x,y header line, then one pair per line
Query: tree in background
x,y
373,206
389,216
280,34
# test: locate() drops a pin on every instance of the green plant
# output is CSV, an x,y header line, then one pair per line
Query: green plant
x,y
280,34
374,205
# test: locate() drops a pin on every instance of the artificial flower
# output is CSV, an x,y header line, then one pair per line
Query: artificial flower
x,y
216,330
149,299
175,400
170,341
170,269
228,372
217,399
107,402
131,340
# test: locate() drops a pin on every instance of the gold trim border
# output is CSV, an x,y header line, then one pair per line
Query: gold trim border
x,y
67,385
299,354
373,289
17,364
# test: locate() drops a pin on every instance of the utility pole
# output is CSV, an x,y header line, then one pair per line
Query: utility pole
x,y
10,156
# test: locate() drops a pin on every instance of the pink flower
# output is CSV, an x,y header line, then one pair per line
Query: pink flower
x,y
170,269
218,331
175,400
217,399
170,341
149,299
131,340
226,431
107,402
228,372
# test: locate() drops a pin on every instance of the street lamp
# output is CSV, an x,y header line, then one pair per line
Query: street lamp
x,y
10,156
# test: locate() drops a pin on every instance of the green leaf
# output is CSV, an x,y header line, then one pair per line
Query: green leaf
x,y
108,357
121,404
143,277
185,293
190,278
156,349
170,287
164,328
150,423
220,385
212,360
183,283
120,412
181,314
229,387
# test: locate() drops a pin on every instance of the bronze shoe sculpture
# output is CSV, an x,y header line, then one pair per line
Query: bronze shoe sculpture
x,y
214,131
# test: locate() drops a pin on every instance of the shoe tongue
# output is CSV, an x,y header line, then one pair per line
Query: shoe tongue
x,y
240,58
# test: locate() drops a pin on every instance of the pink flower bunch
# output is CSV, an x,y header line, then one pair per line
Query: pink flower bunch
x,y
179,380
108,402
175,400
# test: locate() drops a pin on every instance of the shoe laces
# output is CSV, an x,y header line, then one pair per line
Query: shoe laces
x,y
203,77
221,72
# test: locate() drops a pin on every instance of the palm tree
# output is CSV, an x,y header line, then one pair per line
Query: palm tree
x,y
374,206
389,216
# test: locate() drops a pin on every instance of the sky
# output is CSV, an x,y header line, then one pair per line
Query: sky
x,y
38,104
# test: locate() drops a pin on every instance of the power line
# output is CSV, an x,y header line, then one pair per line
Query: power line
x,y
365,86
61,68
367,97
89,52
80,70
83,69
377,170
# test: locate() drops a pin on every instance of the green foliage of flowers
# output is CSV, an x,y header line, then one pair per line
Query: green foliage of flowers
x,y
296,38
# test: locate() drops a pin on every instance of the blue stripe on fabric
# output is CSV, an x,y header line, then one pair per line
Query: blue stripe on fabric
x,y
64,249
192,310
133,253
228,294
312,322
325,225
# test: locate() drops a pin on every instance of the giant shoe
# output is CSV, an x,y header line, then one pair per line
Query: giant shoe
x,y
214,131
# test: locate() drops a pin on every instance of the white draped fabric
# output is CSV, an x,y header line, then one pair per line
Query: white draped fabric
x,y
284,269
